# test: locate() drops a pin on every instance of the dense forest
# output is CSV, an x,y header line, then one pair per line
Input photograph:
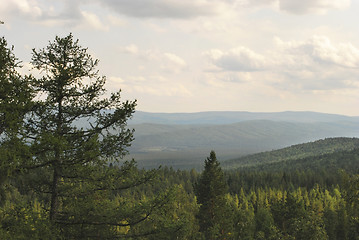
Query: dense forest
x,y
59,180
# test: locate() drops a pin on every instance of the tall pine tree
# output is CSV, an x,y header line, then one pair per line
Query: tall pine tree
x,y
70,126
58,134
73,132
15,102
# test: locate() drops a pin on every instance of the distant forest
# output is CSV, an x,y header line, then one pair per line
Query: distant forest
x,y
59,180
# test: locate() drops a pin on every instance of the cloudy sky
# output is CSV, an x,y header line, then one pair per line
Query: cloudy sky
x,y
207,55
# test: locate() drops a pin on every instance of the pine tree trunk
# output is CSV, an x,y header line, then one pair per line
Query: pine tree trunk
x,y
54,194
57,161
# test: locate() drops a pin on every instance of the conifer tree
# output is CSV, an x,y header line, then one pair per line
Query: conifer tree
x,y
72,128
214,213
73,132
59,133
15,102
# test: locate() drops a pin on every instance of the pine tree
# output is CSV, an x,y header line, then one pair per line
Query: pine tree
x,y
214,213
73,132
59,134
15,102
70,94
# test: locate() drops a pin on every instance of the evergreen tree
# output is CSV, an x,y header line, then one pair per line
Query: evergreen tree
x,y
72,132
15,101
214,213
70,94
59,134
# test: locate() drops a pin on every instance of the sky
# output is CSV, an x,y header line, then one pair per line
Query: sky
x,y
206,55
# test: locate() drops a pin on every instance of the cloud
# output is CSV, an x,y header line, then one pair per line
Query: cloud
x,y
52,13
155,85
300,7
175,59
164,8
116,21
239,59
173,63
258,3
130,49
92,21
314,64
312,6
165,61
25,8
317,64
60,12
321,50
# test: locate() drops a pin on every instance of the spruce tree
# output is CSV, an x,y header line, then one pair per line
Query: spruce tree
x,y
215,215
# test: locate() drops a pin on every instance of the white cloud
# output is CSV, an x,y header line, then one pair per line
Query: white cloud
x,y
321,50
164,8
219,78
300,6
313,64
116,21
166,61
239,59
26,8
59,12
175,59
92,21
155,85
66,13
116,80
312,6
258,3
317,64
130,49
173,63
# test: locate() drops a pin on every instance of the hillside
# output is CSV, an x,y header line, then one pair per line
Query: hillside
x,y
329,162
185,146
299,156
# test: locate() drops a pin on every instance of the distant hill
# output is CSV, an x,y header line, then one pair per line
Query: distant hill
x,y
331,151
219,118
187,145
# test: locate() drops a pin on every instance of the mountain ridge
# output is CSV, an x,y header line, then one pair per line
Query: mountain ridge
x,y
227,117
185,146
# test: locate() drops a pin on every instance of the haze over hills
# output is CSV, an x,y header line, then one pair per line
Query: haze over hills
x,y
225,117
183,140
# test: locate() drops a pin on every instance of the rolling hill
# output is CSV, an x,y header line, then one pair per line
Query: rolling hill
x,y
183,140
226,117
299,156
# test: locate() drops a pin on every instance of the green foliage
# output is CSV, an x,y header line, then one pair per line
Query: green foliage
x,y
15,92
289,154
214,212
73,90
15,102
64,186
24,218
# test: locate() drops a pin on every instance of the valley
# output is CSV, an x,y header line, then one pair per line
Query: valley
x,y
181,140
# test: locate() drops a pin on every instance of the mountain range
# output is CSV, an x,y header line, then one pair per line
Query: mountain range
x,y
228,117
183,140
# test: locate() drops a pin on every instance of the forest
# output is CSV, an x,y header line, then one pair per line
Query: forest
x,y
62,180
